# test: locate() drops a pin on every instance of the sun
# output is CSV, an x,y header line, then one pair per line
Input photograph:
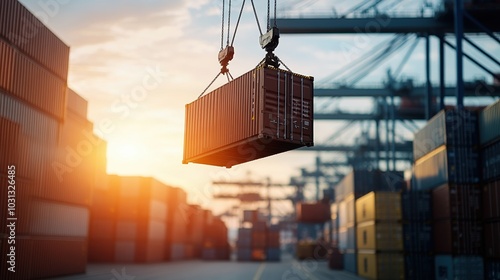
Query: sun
x,y
124,150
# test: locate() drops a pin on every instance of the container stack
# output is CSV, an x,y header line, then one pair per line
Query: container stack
x,y
216,240
273,252
177,219
133,228
48,152
355,185
417,235
446,163
380,236
489,121
195,232
311,219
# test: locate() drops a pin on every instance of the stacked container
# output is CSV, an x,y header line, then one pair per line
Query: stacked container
x,y
177,219
379,236
311,220
489,121
133,224
45,134
446,162
216,246
417,235
195,232
273,252
355,185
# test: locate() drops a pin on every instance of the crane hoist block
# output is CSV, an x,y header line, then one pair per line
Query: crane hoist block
x,y
264,112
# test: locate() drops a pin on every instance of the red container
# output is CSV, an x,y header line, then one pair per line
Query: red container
x,y
262,113
491,242
259,240
6,66
458,237
335,259
491,198
456,202
313,212
273,239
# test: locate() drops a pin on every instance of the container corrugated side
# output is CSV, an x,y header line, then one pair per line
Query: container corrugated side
x,y
458,267
419,266
22,29
380,206
458,237
489,122
491,162
491,197
459,165
383,236
381,265
416,206
261,113
6,66
453,128
313,212
457,202
491,242
417,237
350,261
347,238
492,269
76,103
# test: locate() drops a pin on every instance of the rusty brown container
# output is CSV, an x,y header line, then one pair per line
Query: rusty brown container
x,y
264,112
22,29
452,201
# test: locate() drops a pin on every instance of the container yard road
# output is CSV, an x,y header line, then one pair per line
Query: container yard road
x,y
287,269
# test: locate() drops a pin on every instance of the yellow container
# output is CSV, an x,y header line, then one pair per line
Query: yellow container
x,y
387,266
380,206
383,236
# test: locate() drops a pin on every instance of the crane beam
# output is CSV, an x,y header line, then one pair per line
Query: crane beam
x,y
400,147
341,116
380,24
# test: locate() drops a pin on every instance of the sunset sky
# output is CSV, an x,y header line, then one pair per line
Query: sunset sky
x,y
117,45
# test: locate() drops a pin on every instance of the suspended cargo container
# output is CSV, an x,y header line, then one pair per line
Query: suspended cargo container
x,y
452,128
491,162
491,198
489,122
377,265
456,202
457,165
458,267
379,206
382,236
264,112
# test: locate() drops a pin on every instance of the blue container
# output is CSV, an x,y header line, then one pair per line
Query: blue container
x,y
350,261
245,242
273,254
417,237
416,206
491,162
361,182
419,266
310,231
492,270
458,267
347,238
243,254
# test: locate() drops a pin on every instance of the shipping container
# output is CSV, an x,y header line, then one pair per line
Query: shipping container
x,y
451,128
491,197
382,236
489,122
457,165
458,267
492,269
417,237
45,257
258,254
416,206
259,239
490,156
250,216
419,266
243,254
262,113
313,212
351,261
457,202
361,182
458,237
379,206
76,104
491,242
22,29
7,58
347,238
336,259
379,265
308,231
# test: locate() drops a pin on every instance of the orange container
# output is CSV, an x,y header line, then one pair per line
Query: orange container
x,y
261,113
